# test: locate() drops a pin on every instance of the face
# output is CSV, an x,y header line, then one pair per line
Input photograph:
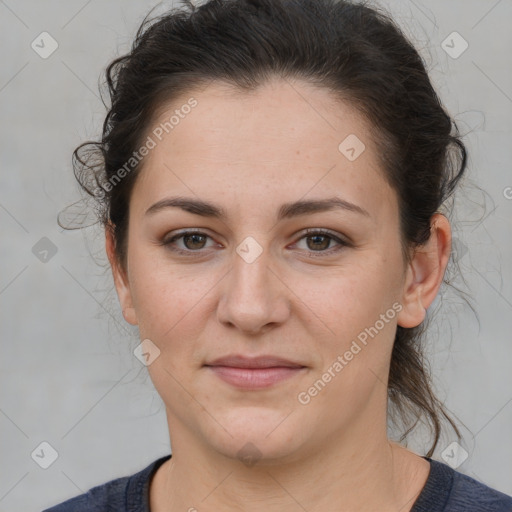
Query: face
x,y
320,287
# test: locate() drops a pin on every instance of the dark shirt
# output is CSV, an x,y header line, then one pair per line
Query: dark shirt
x,y
445,490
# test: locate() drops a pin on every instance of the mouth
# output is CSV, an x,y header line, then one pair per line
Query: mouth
x,y
254,373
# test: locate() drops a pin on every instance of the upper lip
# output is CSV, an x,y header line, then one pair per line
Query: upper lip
x,y
265,361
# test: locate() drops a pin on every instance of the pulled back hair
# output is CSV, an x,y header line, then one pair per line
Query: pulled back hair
x,y
355,51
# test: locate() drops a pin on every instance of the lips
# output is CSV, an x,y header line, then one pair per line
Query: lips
x,y
252,373
266,361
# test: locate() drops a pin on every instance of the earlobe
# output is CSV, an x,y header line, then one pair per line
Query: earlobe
x,y
120,278
413,312
425,273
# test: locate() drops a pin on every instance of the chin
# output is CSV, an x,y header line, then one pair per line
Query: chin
x,y
258,436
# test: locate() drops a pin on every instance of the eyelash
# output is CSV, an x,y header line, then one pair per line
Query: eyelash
x,y
307,234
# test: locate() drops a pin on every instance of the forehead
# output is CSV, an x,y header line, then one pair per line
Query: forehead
x,y
293,110
282,140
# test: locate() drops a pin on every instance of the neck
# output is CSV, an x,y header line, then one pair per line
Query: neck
x,y
348,472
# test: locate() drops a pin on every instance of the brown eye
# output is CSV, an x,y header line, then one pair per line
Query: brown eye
x,y
319,242
192,242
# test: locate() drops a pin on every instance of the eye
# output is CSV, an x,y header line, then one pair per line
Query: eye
x,y
320,240
193,241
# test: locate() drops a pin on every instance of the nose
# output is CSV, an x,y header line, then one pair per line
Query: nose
x,y
254,297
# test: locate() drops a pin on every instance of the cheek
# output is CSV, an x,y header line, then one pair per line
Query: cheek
x,y
359,307
174,301
349,297
168,297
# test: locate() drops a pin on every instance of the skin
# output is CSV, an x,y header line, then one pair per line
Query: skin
x,y
249,153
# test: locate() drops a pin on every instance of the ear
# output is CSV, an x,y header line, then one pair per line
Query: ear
x,y
120,278
425,273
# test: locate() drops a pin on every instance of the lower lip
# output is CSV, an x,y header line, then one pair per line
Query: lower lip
x,y
254,378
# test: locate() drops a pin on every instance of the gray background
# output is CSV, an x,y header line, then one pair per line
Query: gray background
x,y
68,375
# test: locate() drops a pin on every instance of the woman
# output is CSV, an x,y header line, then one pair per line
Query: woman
x,y
272,175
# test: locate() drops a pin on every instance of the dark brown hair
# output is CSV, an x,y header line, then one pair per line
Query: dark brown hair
x,y
353,50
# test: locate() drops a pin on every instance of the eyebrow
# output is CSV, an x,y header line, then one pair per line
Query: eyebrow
x,y
286,211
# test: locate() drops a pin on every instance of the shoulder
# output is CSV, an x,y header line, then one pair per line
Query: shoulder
x,y
105,497
469,495
447,490
114,495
